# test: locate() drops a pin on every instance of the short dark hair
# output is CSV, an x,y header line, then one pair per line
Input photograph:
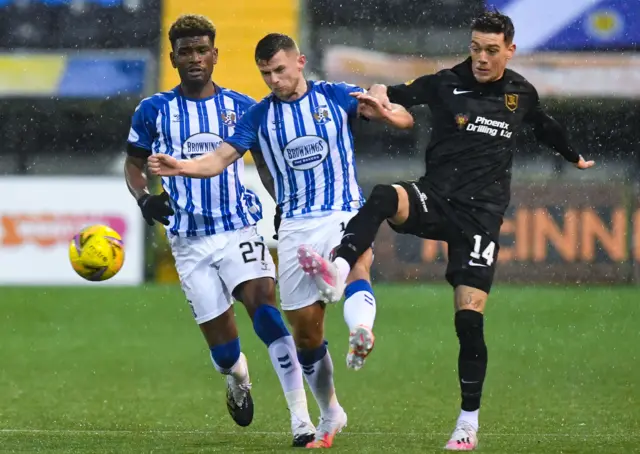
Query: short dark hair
x,y
494,22
191,25
273,43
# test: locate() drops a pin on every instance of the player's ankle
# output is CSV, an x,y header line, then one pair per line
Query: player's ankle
x,y
225,356
470,417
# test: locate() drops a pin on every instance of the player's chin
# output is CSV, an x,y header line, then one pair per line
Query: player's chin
x,y
196,77
482,76
196,80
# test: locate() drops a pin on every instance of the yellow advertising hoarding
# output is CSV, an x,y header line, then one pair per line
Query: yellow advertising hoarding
x,y
240,24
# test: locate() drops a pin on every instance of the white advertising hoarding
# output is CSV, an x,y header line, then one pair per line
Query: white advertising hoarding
x,y
40,215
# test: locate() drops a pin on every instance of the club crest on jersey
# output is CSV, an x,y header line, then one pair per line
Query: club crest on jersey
x,y
462,120
511,101
228,117
321,115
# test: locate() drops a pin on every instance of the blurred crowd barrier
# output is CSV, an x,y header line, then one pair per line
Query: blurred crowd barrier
x,y
73,71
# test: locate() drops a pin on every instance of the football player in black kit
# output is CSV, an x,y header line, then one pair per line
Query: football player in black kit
x,y
478,107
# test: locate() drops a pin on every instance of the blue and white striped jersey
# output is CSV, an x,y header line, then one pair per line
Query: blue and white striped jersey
x,y
308,147
186,128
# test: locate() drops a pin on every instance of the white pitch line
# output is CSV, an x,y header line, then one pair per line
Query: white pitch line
x,y
243,434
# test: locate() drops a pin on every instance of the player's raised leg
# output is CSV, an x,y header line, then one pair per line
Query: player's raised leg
x,y
384,202
360,311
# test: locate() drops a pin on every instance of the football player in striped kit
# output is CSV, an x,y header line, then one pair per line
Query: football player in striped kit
x,y
301,134
211,223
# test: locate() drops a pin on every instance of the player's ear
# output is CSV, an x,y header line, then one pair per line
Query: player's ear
x,y
511,49
173,61
302,60
215,55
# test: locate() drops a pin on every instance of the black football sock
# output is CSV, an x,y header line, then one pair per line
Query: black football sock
x,y
363,227
472,361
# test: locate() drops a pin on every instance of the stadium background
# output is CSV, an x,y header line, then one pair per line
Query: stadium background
x,y
107,367
72,73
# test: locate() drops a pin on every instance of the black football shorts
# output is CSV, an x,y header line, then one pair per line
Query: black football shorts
x,y
471,235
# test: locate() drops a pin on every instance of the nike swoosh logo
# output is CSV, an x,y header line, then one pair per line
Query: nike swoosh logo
x,y
472,263
468,382
456,92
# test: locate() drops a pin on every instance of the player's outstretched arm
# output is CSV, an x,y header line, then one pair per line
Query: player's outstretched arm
x,y
205,166
374,108
552,134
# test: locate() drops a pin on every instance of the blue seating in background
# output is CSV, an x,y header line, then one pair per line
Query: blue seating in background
x,y
100,3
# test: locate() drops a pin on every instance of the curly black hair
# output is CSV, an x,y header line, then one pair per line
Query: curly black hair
x,y
190,25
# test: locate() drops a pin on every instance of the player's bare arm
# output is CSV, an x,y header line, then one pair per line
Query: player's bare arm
x,y
205,166
374,109
135,176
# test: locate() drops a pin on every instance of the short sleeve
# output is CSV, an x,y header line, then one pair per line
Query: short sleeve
x,y
245,134
143,126
342,92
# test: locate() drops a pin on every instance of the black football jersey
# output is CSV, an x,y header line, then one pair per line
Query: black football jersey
x,y
470,155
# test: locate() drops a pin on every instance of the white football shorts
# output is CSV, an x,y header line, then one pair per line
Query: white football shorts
x,y
211,267
297,289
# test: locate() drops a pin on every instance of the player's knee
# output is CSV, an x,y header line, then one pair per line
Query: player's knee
x,y
309,356
384,199
469,297
225,355
469,324
268,324
308,337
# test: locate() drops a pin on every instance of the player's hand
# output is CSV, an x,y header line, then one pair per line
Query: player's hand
x,y
163,165
370,106
155,208
582,164
379,91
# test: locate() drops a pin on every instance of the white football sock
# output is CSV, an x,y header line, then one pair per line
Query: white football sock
x,y
470,417
285,362
239,371
343,268
359,309
319,376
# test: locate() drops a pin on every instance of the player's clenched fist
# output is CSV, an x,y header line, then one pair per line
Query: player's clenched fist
x,y
164,165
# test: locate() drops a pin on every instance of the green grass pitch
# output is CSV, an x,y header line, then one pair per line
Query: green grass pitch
x,y
120,370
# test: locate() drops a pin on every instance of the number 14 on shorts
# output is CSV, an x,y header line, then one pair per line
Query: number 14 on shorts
x,y
478,254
